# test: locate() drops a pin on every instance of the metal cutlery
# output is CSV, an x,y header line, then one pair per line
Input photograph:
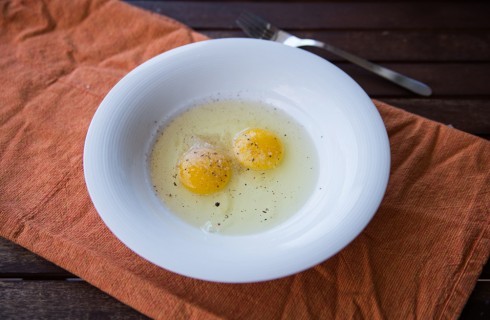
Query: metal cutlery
x,y
256,27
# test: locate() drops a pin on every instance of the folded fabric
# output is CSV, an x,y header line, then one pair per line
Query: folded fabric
x,y
418,258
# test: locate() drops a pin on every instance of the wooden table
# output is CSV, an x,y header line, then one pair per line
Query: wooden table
x,y
446,45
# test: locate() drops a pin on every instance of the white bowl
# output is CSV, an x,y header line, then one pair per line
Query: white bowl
x,y
346,128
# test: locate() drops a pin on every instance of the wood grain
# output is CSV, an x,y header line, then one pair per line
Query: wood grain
x,y
17,262
469,115
80,300
335,15
449,80
478,305
59,300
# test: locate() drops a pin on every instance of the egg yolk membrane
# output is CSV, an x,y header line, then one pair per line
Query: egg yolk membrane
x,y
204,170
258,149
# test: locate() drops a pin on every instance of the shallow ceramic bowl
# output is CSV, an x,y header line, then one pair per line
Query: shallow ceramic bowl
x,y
346,128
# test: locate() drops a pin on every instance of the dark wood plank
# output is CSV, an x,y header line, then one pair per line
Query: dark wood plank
x,y
478,305
59,300
283,1
469,115
446,79
485,275
17,262
335,15
397,45
79,300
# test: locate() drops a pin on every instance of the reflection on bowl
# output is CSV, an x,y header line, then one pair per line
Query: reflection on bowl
x,y
346,130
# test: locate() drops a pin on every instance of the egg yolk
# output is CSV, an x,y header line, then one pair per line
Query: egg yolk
x,y
204,170
258,149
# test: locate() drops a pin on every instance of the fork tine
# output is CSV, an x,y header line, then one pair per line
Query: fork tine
x,y
255,26
250,26
267,30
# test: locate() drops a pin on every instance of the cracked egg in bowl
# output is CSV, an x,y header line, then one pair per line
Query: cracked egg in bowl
x,y
236,160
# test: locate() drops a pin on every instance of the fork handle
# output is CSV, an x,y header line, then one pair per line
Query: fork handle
x,y
395,77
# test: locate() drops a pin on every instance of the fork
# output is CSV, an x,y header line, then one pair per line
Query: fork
x,y
256,27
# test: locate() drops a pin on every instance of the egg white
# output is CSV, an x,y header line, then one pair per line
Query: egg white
x,y
253,201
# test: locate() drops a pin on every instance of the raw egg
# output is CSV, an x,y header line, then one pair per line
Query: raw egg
x,y
204,170
258,149
233,167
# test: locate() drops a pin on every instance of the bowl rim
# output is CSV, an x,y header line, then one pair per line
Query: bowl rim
x,y
217,44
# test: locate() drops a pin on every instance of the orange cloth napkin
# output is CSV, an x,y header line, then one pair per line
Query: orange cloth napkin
x,y
418,258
